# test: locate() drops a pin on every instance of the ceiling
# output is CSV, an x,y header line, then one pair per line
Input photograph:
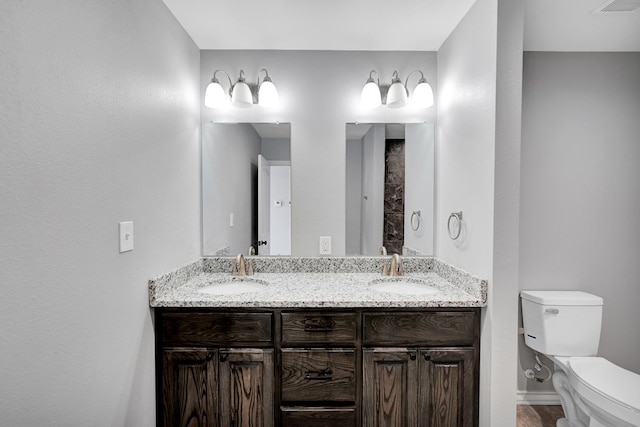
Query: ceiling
x,y
570,25
414,25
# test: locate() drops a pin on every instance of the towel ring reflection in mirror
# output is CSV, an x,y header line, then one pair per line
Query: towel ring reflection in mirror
x,y
416,219
458,222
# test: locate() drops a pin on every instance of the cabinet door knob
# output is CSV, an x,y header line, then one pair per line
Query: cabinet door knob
x,y
223,357
427,357
412,355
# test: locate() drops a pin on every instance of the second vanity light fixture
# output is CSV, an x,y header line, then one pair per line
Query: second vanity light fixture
x,y
240,94
398,94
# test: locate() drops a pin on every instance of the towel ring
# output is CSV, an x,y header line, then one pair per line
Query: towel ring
x,y
416,215
458,217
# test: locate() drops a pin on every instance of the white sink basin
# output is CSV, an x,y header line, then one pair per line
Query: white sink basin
x,y
403,286
233,286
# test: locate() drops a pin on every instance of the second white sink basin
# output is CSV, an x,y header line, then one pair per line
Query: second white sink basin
x,y
403,286
233,286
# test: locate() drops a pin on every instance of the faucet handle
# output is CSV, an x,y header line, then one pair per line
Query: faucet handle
x,y
385,269
239,268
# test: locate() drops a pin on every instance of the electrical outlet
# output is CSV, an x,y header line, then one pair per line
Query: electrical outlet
x,y
126,236
325,245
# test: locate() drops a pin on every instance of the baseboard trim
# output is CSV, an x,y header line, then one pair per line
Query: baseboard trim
x,y
537,398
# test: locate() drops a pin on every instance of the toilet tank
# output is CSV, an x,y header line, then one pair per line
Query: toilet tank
x,y
562,323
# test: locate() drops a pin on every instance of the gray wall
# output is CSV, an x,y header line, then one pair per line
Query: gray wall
x,y
99,124
372,208
419,186
319,93
229,173
581,188
276,149
353,196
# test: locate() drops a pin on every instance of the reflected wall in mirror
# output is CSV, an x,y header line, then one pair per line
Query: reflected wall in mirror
x,y
246,188
390,188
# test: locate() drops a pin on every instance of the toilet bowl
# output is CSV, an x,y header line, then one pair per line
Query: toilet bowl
x,y
565,326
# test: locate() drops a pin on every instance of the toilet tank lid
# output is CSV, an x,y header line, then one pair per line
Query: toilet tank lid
x,y
561,297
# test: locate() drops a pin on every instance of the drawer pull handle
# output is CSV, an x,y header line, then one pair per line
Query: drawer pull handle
x,y
311,328
325,375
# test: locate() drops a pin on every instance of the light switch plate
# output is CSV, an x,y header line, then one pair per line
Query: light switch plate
x,y
126,236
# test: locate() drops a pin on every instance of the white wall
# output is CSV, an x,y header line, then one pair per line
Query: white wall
x,y
99,124
581,188
477,152
229,169
319,93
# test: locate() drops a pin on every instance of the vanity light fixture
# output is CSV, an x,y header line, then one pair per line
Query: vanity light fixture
x,y
371,97
422,96
398,94
214,96
240,92
267,92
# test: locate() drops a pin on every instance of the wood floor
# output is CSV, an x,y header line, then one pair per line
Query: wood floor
x,y
538,415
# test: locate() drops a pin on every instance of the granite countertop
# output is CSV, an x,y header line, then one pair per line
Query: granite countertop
x,y
317,282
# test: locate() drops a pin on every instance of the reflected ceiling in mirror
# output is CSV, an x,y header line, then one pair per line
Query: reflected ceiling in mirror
x,y
390,188
246,188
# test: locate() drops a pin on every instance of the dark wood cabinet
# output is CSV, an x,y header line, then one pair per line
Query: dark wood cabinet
x,y
313,368
189,388
390,387
246,388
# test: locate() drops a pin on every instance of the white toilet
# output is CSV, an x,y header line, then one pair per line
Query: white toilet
x,y
565,326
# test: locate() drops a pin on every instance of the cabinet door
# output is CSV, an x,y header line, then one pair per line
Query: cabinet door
x,y
246,387
447,388
189,388
390,387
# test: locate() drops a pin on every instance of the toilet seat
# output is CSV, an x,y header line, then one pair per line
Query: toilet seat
x,y
607,386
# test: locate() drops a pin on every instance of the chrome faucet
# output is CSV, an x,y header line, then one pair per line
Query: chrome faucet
x,y
395,266
241,267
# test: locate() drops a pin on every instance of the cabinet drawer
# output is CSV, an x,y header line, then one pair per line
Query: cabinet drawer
x,y
424,328
319,375
318,417
208,329
308,328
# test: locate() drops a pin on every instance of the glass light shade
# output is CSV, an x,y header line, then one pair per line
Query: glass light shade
x,y
268,94
214,96
422,96
370,97
241,95
397,95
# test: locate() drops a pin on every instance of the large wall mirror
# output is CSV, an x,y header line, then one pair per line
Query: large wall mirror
x,y
246,188
390,188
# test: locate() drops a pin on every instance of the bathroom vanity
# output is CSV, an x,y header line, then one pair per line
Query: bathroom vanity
x,y
317,348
